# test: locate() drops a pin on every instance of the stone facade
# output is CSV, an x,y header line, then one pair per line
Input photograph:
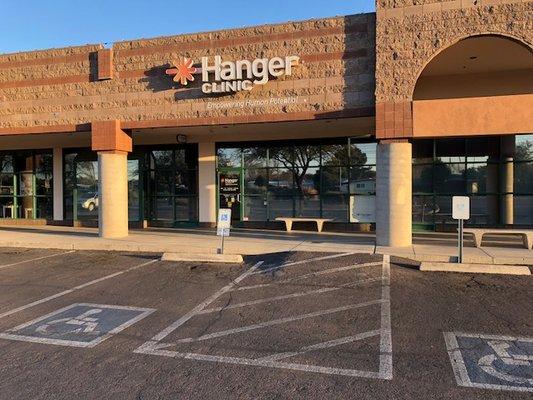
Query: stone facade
x,y
411,32
63,90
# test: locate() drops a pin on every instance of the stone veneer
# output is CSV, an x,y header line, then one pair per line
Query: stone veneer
x,y
411,32
59,90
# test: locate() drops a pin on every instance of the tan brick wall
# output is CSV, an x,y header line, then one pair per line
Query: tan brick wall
x,y
411,32
60,87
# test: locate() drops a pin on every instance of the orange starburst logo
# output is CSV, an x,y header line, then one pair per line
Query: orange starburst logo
x,y
183,72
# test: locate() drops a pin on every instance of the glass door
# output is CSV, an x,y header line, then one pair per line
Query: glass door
x,y
230,191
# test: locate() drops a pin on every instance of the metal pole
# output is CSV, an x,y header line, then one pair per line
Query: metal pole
x,y
460,241
222,247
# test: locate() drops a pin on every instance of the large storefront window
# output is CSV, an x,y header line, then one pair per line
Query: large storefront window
x,y
162,185
293,179
495,172
26,184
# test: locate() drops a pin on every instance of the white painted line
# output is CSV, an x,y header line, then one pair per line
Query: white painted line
x,y
290,296
154,347
385,346
277,322
84,285
36,259
310,275
148,349
321,346
10,334
309,260
171,328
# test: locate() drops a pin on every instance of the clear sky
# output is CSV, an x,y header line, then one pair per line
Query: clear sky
x,y
41,24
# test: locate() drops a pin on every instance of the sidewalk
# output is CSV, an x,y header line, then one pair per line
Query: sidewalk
x,y
250,242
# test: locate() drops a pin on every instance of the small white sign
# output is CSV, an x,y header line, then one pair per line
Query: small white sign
x,y
224,221
223,232
460,207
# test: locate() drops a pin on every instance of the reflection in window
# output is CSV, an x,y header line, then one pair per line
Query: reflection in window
x,y
26,184
479,167
227,157
308,180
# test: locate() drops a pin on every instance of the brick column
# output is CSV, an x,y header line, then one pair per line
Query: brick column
x,y
113,146
394,194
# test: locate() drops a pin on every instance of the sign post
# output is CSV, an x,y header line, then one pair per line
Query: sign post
x,y
460,212
223,225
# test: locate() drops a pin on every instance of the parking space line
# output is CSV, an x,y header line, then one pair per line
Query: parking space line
x,y
79,287
385,346
290,264
36,259
156,347
278,322
171,328
354,373
310,275
290,296
321,346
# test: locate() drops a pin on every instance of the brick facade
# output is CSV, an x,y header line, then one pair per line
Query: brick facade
x,y
66,89
411,32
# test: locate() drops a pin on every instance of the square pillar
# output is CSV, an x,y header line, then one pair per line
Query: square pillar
x,y
207,185
394,194
112,145
57,178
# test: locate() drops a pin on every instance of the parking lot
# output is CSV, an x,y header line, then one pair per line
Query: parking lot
x,y
76,324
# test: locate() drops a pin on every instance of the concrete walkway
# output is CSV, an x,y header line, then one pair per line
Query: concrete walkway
x,y
427,247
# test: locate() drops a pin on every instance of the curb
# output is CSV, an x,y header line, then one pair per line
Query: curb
x,y
475,268
204,257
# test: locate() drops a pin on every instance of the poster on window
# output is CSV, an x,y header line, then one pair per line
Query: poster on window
x,y
363,208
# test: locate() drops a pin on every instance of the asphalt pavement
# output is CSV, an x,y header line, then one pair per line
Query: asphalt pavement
x,y
292,325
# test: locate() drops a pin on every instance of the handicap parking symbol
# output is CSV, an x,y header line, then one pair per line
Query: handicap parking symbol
x,y
78,325
491,362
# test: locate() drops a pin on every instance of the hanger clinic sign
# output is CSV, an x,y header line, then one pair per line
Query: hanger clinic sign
x,y
233,76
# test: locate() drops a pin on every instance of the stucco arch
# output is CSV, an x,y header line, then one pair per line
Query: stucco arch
x,y
456,41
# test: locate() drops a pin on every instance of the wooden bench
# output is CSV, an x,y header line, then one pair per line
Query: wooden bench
x,y
527,234
288,222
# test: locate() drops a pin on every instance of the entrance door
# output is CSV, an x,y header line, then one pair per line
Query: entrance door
x,y
230,191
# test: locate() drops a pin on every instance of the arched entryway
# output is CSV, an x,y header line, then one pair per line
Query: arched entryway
x,y
473,133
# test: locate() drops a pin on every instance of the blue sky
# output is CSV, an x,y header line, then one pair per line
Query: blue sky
x,y
40,24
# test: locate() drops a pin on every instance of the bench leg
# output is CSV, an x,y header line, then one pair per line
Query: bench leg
x,y
319,225
528,240
288,226
477,239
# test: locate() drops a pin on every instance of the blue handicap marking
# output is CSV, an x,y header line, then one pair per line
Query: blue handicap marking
x,y
79,325
492,362
224,217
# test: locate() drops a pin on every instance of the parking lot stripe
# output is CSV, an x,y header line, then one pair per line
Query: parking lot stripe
x,y
36,259
385,346
310,275
84,285
322,345
147,349
290,264
278,321
171,328
290,296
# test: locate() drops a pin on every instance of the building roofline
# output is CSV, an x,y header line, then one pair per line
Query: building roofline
x,y
112,44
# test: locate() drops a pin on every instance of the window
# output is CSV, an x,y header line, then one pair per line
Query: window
x,y
480,167
299,179
26,184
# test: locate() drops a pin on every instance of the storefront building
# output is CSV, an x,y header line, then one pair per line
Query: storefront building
x,y
372,121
